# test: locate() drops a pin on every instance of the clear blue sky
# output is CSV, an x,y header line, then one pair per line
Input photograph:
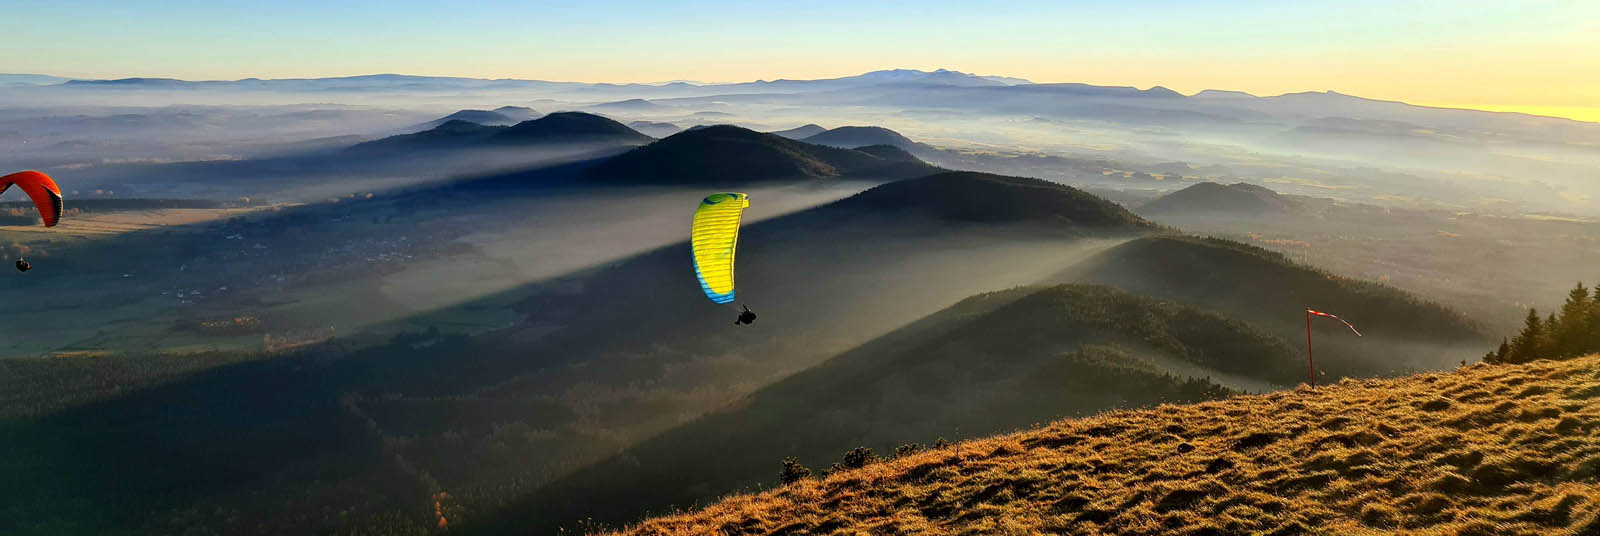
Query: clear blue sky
x,y
1466,52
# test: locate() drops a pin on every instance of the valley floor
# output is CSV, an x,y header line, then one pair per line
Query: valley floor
x,y
1486,450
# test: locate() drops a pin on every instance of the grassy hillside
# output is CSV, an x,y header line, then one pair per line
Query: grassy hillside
x,y
1488,450
993,362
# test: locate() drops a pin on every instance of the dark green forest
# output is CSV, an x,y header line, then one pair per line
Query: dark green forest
x,y
1571,330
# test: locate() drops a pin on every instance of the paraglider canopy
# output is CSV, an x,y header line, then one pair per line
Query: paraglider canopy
x,y
713,237
41,189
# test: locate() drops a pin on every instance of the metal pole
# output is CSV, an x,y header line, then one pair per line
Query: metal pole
x,y
1309,361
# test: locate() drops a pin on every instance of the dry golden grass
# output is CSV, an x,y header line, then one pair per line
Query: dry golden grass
x,y
1490,450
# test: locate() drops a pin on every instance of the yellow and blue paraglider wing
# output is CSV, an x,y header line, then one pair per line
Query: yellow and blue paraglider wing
x,y
713,237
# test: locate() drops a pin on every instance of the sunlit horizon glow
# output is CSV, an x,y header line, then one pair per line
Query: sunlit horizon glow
x,y
1529,57
1575,113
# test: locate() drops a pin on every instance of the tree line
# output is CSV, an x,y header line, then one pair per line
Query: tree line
x,y
1572,330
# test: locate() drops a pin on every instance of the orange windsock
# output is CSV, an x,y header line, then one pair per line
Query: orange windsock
x,y
1311,311
39,187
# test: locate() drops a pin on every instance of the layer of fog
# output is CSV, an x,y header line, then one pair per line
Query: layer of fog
x,y
520,242
632,349
421,258
1327,144
314,176
1315,144
561,273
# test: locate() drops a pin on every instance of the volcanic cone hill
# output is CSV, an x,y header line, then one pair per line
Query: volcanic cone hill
x,y
1209,197
730,155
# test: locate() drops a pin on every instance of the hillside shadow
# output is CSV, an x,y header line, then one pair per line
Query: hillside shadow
x,y
602,358
991,363
258,433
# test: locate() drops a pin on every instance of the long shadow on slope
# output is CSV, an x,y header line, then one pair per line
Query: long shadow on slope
x,y
230,431
262,432
991,363
114,465
402,206
373,166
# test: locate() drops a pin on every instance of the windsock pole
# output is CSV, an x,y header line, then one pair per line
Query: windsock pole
x,y
1311,363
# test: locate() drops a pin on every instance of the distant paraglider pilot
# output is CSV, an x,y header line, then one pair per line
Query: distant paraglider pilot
x,y
46,197
746,318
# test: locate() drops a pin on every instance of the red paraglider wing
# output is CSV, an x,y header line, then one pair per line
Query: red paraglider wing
x,y
39,187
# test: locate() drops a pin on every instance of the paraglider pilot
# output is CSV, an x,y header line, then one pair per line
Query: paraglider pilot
x,y
46,197
746,318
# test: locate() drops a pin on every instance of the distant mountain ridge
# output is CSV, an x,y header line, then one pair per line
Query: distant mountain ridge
x,y
570,126
633,105
726,154
857,136
882,77
482,117
558,127
984,197
519,113
23,80
655,128
1000,88
800,132
1210,197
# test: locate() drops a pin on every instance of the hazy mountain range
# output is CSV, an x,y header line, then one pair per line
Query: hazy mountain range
x,y
1323,143
398,81
477,312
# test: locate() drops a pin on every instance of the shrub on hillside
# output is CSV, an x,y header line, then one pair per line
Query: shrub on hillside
x,y
855,458
793,472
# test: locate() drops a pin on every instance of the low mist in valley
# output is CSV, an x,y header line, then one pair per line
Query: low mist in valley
x,y
411,305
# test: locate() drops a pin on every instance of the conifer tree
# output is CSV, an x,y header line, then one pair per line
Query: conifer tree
x,y
1571,332
1525,347
1547,343
1592,343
